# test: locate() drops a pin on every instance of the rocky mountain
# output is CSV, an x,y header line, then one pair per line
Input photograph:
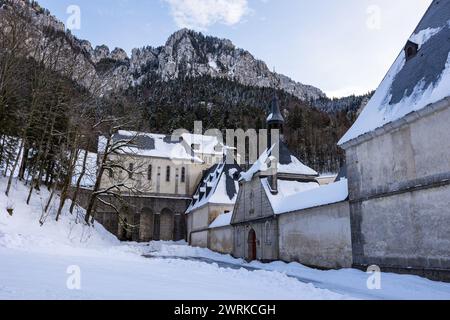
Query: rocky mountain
x,y
186,54
189,54
191,78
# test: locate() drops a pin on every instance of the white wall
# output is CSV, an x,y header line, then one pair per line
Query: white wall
x,y
318,237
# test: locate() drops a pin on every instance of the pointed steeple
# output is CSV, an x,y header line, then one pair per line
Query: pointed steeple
x,y
275,121
275,117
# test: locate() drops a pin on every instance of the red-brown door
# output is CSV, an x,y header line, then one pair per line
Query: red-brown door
x,y
252,245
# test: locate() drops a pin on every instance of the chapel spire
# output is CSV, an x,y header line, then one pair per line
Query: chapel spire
x,y
275,120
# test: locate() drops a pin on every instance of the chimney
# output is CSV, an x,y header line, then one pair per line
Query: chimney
x,y
272,170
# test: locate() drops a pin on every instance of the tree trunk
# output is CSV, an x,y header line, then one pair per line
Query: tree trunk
x,y
23,164
98,180
13,169
65,188
80,178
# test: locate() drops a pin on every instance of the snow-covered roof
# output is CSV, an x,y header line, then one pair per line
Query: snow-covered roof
x,y
287,164
151,145
305,195
206,144
219,185
223,220
414,83
286,188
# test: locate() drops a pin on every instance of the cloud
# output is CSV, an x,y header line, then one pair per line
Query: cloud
x,y
200,14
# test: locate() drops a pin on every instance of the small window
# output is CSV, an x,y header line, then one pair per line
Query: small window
x,y
111,173
252,203
411,50
238,237
268,233
183,175
149,173
130,170
168,174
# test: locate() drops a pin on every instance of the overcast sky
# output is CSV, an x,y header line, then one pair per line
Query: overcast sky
x,y
340,46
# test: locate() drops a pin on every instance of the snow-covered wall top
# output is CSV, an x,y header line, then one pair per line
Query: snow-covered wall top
x,y
412,84
307,195
222,220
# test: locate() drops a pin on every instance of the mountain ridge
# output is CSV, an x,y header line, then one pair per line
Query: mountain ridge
x,y
186,53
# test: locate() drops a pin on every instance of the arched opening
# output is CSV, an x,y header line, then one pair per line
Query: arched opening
x,y
156,227
146,225
251,245
166,225
125,232
179,227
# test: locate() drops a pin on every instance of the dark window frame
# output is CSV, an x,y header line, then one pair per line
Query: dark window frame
x,y
130,170
168,173
150,173
183,175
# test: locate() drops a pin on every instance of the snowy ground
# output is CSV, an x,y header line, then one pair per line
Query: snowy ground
x,y
35,261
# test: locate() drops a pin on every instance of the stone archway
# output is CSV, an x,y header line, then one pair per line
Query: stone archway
x,y
146,230
157,227
125,232
166,225
179,228
251,255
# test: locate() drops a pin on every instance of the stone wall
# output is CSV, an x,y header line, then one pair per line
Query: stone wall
x,y
266,239
252,202
317,237
199,239
149,218
400,194
253,211
221,240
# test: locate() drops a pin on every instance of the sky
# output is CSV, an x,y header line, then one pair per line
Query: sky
x,y
340,46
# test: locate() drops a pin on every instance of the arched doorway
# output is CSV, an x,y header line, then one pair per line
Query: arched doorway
x,y
179,228
156,227
166,225
251,245
125,233
146,225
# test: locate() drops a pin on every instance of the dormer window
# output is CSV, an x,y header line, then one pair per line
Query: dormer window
x,y
411,50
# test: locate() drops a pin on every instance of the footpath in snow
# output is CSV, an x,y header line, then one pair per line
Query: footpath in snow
x,y
49,261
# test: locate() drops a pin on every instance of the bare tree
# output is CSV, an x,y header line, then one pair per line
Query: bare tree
x,y
115,151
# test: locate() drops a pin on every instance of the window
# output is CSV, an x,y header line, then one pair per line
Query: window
x,y
267,232
411,50
252,203
111,173
183,175
149,173
130,170
168,174
238,236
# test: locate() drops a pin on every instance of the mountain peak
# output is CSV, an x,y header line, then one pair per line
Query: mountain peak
x,y
187,53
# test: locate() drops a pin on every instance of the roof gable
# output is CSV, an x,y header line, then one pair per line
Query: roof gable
x,y
219,185
288,164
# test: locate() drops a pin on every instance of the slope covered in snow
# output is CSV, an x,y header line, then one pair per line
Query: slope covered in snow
x,y
37,262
